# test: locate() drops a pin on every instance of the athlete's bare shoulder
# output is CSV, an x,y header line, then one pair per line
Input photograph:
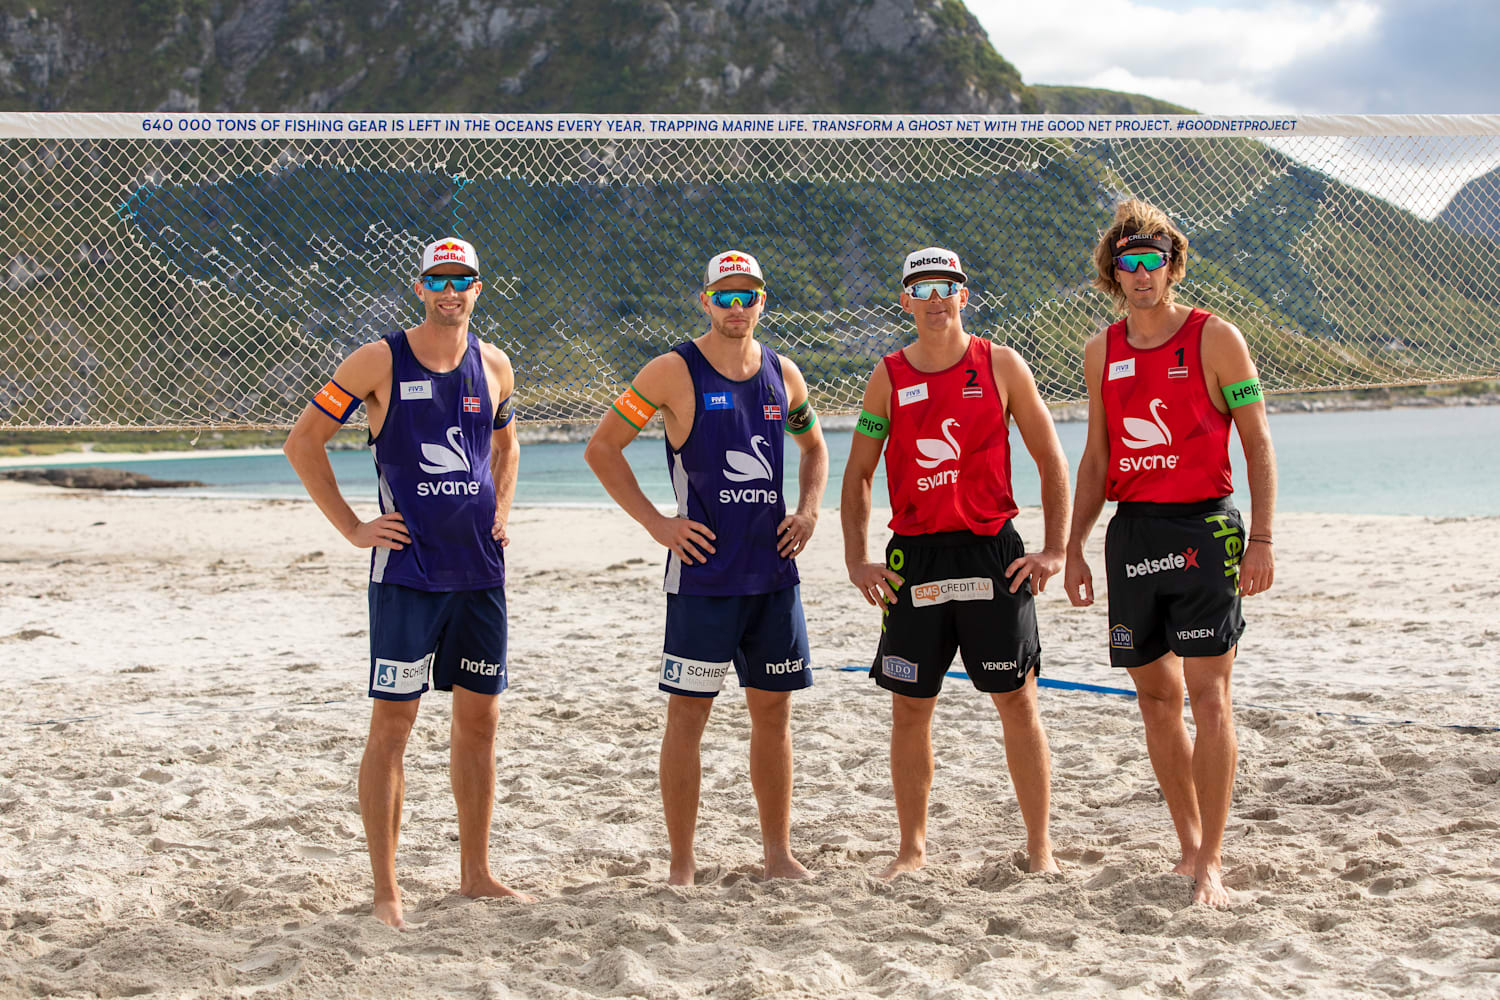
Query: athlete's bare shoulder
x,y
367,369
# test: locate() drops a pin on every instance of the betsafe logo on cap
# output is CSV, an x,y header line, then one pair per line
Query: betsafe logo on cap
x,y
730,263
450,251
932,260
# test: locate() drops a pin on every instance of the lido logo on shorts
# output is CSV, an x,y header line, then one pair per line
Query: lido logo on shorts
x,y
974,588
898,669
1120,637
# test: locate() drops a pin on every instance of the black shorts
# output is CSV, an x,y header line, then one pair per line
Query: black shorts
x,y
1174,580
955,597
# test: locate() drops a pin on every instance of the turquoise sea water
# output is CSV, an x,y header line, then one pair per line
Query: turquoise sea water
x,y
1436,461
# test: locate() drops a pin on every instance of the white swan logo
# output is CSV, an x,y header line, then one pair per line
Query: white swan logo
x,y
1146,433
441,460
745,467
938,452
1151,433
748,467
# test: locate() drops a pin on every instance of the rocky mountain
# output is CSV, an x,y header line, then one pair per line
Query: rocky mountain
x,y
1475,209
855,56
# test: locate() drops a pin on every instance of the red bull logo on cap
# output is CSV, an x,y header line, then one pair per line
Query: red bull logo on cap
x,y
735,258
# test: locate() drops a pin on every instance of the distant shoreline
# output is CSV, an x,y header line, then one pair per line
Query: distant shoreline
x,y
233,444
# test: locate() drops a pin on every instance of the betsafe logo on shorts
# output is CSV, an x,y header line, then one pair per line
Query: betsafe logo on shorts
x,y
1172,561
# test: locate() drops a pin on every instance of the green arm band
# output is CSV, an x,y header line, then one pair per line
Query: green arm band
x,y
800,420
1242,393
872,426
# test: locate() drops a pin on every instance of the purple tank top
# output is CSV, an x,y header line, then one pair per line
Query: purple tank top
x,y
728,475
432,457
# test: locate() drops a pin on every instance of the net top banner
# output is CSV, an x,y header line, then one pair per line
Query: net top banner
x,y
133,125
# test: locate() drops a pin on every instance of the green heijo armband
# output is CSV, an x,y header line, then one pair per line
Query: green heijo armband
x,y
872,426
1242,393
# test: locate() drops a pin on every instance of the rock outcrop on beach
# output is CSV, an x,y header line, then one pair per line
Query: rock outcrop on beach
x,y
863,56
95,477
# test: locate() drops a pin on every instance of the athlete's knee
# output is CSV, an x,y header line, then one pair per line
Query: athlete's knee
x,y
475,709
688,715
911,713
390,724
769,709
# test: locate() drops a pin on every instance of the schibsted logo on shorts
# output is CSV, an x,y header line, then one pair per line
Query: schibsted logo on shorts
x,y
401,676
898,669
972,588
1120,637
693,675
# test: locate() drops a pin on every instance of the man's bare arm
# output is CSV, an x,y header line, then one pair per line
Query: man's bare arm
x,y
360,374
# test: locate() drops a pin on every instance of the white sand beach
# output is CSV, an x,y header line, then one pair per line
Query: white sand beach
x,y
187,711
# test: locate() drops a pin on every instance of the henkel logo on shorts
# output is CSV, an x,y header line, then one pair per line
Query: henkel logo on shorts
x,y
693,675
1174,561
402,676
898,669
973,588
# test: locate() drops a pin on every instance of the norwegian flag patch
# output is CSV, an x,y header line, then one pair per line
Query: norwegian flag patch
x,y
772,412
471,404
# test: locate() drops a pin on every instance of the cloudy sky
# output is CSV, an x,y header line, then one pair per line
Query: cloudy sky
x,y
1272,57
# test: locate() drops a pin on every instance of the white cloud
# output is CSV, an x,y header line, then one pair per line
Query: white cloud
x,y
1218,60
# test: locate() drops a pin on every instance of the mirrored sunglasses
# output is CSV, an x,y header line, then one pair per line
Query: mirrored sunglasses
x,y
942,288
745,297
458,282
1132,262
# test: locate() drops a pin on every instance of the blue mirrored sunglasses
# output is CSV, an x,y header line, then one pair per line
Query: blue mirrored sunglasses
x,y
459,282
1132,262
745,297
924,290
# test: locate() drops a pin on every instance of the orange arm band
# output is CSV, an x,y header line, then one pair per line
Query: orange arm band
x,y
635,409
336,401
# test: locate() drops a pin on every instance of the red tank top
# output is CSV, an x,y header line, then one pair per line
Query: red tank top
x,y
947,461
1167,442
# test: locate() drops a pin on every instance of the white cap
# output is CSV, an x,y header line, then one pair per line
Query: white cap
x,y
450,251
730,263
932,260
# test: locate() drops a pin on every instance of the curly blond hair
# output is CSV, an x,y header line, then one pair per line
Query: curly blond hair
x,y
1136,218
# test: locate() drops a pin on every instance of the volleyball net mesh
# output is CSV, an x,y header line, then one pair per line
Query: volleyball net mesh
x,y
155,275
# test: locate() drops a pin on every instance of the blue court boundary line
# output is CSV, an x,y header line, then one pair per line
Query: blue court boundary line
x,y
1047,682
1363,720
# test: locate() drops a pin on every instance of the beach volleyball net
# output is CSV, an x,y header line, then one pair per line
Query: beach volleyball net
x,y
212,270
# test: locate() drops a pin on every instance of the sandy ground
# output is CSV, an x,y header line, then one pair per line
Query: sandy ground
x,y
178,760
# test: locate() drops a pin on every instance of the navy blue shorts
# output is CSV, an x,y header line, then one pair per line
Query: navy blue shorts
x,y
420,639
763,636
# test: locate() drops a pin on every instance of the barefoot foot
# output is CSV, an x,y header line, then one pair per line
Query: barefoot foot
x,y
1208,889
489,886
388,912
682,873
786,867
904,863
